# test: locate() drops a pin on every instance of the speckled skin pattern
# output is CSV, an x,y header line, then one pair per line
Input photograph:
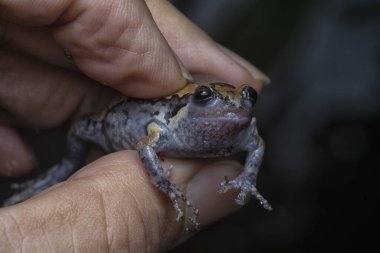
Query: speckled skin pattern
x,y
201,120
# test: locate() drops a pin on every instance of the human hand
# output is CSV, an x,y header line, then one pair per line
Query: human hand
x,y
110,204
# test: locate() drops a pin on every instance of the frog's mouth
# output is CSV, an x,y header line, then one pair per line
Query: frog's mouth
x,y
237,115
231,114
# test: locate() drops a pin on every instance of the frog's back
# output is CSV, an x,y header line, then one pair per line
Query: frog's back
x,y
125,124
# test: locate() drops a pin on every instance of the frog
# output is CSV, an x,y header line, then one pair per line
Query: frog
x,y
202,120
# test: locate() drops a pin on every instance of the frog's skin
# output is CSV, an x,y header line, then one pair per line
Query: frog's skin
x,y
201,120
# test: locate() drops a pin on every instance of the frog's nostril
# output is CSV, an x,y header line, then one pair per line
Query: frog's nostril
x,y
249,93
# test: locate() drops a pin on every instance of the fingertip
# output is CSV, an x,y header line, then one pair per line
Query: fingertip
x,y
200,54
259,76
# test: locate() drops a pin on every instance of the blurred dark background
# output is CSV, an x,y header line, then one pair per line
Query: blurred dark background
x,y
320,118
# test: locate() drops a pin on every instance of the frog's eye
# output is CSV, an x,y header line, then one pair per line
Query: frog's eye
x,y
249,93
204,94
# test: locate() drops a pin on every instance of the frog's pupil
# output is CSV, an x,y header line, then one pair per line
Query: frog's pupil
x,y
204,94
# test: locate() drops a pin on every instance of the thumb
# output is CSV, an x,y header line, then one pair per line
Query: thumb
x,y
111,206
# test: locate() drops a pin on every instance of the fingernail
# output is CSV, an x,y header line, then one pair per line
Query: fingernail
x,y
202,191
185,73
253,70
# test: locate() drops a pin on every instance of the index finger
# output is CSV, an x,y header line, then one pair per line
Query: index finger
x,y
114,42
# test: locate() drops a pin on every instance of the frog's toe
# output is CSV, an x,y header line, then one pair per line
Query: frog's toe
x,y
226,185
241,198
178,210
261,199
175,194
246,187
238,184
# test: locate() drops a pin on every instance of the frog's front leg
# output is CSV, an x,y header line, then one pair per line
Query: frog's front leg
x,y
246,181
156,173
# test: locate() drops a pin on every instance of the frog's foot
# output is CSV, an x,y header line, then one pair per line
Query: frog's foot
x,y
175,194
246,186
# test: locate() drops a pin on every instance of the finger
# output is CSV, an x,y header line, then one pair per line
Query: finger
x,y
110,203
253,70
115,42
37,42
43,96
198,51
15,156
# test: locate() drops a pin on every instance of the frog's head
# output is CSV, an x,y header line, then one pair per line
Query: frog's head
x,y
213,116
222,101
